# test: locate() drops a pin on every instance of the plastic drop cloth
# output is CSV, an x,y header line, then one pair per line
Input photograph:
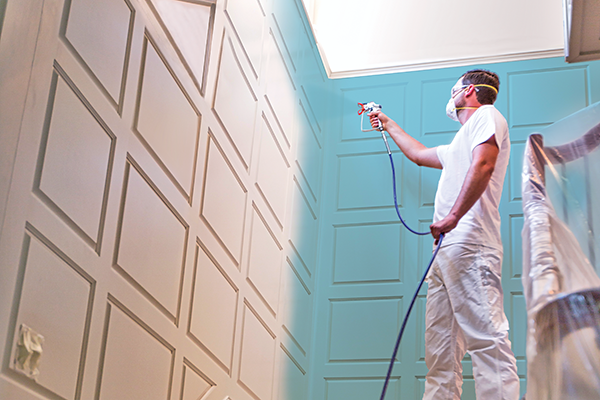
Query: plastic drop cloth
x,y
561,252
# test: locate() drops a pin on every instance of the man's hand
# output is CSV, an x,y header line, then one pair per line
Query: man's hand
x,y
377,116
443,226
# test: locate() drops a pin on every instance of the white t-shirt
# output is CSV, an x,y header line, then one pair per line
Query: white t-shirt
x,y
481,224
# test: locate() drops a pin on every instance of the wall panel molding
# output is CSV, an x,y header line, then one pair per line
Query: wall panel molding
x,y
105,53
166,120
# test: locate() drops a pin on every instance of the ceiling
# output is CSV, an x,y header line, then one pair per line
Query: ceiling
x,y
368,37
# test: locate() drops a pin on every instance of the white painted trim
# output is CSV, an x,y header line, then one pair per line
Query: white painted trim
x,y
532,55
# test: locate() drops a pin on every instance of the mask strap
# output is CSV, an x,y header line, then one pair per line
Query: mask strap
x,y
489,86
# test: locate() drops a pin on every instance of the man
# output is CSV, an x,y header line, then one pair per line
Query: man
x,y
464,299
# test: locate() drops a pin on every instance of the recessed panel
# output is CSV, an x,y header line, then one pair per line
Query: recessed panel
x,y
289,21
557,94
372,336
212,319
280,91
273,173
518,324
293,384
99,31
190,25
297,307
76,161
365,181
309,153
137,363
420,308
257,359
428,186
358,246
315,86
516,245
515,168
303,229
166,120
435,96
195,385
235,102
54,303
390,96
152,242
247,18
264,264
349,388
224,202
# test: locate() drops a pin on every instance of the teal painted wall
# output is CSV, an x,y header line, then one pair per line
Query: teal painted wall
x,y
368,266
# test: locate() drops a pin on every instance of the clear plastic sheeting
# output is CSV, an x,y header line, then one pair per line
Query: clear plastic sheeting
x,y
561,166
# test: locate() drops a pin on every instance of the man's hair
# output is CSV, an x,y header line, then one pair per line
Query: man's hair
x,y
485,95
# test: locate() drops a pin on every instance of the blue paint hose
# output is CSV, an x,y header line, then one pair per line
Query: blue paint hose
x,y
412,303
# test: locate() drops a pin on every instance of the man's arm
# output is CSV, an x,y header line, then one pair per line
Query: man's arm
x,y
476,181
414,150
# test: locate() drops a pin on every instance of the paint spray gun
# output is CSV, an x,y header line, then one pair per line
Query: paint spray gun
x,y
366,108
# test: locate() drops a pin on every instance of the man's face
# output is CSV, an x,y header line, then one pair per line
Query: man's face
x,y
457,93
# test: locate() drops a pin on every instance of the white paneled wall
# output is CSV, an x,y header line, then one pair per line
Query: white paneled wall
x,y
162,164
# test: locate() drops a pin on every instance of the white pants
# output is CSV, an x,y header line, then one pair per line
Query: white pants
x,y
465,313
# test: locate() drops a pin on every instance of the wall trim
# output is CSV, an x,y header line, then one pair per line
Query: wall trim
x,y
460,62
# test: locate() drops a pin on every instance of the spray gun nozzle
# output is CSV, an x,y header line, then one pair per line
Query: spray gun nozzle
x,y
368,107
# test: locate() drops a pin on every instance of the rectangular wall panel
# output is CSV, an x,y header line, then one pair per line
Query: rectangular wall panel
x,y
100,33
54,302
257,360
235,102
195,385
364,253
515,224
247,18
362,318
518,324
280,90
167,120
264,261
152,243
273,172
296,304
147,375
293,380
514,171
75,180
190,25
303,229
364,181
543,86
213,309
315,86
289,22
224,201
348,388
428,178
309,152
